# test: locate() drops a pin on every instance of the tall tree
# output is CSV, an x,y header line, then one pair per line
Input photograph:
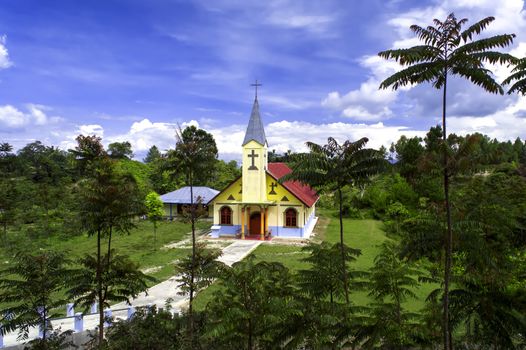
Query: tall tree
x,y
87,151
331,167
108,201
194,156
120,150
30,291
449,50
152,155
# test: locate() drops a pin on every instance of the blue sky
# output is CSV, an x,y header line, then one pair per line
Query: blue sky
x,y
134,70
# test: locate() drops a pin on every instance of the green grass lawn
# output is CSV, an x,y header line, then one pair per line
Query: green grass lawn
x,y
138,245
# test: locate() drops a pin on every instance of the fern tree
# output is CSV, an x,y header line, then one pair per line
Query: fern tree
x,y
517,79
323,318
449,50
108,203
250,305
194,157
391,284
30,292
332,166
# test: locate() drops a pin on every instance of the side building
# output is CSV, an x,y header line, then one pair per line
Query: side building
x,y
256,205
175,201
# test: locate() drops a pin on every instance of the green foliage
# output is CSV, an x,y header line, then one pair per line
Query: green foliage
x,y
388,325
248,308
153,155
517,77
224,173
108,200
154,211
55,341
333,166
196,273
120,280
149,329
120,150
139,171
194,155
449,50
323,279
30,288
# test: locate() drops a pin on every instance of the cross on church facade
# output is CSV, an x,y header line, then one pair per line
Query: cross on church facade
x,y
256,86
253,155
273,185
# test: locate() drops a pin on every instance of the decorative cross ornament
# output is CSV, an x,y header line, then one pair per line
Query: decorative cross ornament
x,y
253,155
273,185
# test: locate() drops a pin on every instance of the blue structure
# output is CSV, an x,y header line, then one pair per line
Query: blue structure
x,y
175,200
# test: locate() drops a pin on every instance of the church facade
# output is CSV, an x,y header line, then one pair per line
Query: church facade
x,y
257,205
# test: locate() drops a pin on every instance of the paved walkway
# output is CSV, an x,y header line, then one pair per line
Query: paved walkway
x,y
157,294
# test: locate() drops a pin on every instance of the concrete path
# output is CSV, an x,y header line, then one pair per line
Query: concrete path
x,y
157,294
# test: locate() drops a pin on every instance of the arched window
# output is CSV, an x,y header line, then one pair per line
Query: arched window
x,y
225,216
291,218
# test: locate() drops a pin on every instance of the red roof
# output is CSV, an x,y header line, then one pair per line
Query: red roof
x,y
303,192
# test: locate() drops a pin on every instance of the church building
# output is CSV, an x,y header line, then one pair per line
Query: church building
x,y
256,205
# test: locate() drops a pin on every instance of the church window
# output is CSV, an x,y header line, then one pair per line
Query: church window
x,y
226,216
291,218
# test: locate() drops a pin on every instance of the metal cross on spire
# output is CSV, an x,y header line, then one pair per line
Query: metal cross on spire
x,y
256,86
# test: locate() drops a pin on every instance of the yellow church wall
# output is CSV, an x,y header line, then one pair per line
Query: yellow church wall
x,y
232,190
254,180
277,212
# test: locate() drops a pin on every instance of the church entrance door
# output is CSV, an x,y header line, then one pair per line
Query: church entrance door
x,y
255,224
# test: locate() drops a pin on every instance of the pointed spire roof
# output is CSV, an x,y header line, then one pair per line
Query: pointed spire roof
x,y
255,129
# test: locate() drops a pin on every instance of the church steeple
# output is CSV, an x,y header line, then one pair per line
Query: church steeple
x,y
255,160
255,131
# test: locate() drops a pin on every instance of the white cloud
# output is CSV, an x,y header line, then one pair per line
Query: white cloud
x,y
90,129
506,124
37,111
313,23
282,136
5,62
13,118
367,102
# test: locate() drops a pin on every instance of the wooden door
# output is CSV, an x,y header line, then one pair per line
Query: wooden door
x,y
255,224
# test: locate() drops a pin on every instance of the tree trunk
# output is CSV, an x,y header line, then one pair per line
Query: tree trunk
x,y
154,235
109,247
99,290
192,270
250,341
449,235
44,328
5,232
342,249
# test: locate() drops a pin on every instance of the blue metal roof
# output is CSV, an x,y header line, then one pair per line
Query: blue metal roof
x,y
182,195
255,129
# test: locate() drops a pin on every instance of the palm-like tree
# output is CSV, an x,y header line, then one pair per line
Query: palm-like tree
x,y
449,50
331,167
517,77
30,292
194,156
